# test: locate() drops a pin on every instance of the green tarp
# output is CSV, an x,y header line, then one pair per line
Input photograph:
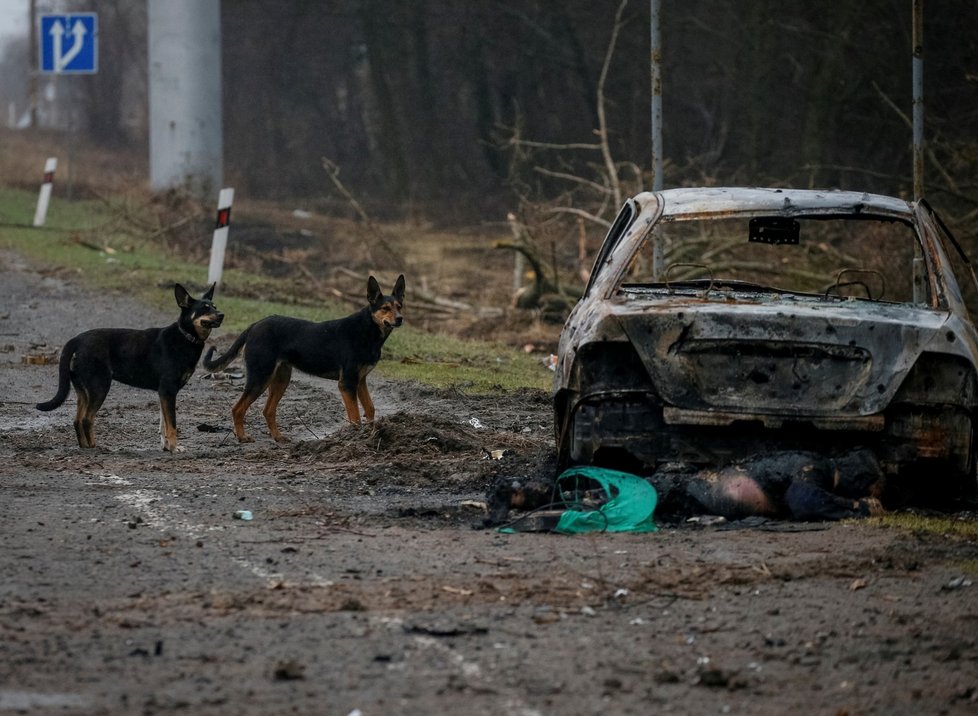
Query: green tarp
x,y
629,509
626,505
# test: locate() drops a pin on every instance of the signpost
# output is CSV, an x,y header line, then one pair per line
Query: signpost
x,y
68,46
69,43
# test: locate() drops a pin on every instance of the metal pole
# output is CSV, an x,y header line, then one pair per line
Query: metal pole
x,y
655,43
33,64
656,72
918,99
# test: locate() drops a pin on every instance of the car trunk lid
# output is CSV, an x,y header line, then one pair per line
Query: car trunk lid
x,y
808,358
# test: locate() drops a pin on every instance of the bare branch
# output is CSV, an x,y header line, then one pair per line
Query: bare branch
x,y
756,268
909,122
333,170
600,188
610,167
583,214
334,175
548,145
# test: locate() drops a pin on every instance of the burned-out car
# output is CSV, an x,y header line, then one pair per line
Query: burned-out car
x,y
724,323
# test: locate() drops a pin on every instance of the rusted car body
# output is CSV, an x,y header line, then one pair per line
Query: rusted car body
x,y
721,323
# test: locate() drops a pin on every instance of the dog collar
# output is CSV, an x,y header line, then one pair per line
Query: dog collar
x,y
192,338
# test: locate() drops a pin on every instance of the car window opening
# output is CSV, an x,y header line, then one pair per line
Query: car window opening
x,y
832,258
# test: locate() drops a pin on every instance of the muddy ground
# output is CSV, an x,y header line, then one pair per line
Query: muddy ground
x,y
363,583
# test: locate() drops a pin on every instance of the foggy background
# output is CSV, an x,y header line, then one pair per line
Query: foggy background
x,y
441,105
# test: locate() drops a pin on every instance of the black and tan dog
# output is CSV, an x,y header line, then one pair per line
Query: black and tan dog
x,y
344,350
160,359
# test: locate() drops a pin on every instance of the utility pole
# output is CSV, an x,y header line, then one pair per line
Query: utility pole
x,y
656,94
655,48
918,99
186,144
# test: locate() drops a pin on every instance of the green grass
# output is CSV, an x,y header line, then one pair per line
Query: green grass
x,y
146,270
934,525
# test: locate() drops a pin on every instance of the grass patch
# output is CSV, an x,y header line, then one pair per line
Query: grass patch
x,y
931,525
967,566
87,238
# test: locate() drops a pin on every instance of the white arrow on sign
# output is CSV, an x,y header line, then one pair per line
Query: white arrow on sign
x,y
57,35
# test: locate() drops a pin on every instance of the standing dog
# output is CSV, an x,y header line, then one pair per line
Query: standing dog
x,y
160,359
344,350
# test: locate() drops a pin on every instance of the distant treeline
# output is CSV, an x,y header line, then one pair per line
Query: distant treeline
x,y
421,102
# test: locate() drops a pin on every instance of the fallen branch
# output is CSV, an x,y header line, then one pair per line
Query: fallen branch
x,y
89,245
415,294
756,267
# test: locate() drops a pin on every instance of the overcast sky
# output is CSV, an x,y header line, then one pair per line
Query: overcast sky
x,y
13,17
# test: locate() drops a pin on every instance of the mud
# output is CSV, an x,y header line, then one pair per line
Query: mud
x,y
364,581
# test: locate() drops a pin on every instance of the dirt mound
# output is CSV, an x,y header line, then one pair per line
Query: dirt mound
x,y
419,450
402,435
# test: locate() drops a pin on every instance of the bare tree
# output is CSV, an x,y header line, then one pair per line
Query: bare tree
x,y
590,199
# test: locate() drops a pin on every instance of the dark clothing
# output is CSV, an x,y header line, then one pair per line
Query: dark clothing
x,y
791,485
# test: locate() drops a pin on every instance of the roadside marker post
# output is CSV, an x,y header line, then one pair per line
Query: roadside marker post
x,y
44,197
220,241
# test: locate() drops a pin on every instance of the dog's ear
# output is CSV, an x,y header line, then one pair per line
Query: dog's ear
x,y
184,299
209,293
399,289
374,294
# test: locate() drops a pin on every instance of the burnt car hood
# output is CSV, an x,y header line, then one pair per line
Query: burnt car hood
x,y
782,357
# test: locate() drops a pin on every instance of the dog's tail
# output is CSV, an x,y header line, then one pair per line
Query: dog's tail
x,y
64,381
221,362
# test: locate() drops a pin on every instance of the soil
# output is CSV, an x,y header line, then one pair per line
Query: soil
x,y
364,581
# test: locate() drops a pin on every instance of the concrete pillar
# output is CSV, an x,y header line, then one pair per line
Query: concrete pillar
x,y
186,144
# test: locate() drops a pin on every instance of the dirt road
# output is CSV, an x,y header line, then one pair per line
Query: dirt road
x,y
360,584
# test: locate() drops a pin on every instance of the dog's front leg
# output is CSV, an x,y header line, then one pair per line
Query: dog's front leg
x,y
168,422
349,396
364,395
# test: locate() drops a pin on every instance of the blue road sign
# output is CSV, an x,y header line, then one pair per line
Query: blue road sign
x,y
69,43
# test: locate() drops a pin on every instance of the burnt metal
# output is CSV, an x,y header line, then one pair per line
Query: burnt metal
x,y
710,371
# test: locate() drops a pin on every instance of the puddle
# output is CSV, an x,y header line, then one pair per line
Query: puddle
x,y
23,700
24,423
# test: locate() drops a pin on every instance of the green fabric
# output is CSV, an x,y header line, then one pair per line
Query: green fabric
x,y
630,508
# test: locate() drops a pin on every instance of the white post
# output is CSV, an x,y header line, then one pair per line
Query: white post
x,y
220,241
44,198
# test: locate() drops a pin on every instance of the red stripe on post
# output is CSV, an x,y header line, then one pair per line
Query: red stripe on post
x,y
223,218
48,177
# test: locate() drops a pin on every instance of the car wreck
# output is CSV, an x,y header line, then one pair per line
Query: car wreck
x,y
722,324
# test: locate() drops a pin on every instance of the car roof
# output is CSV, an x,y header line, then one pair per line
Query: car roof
x,y
788,202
